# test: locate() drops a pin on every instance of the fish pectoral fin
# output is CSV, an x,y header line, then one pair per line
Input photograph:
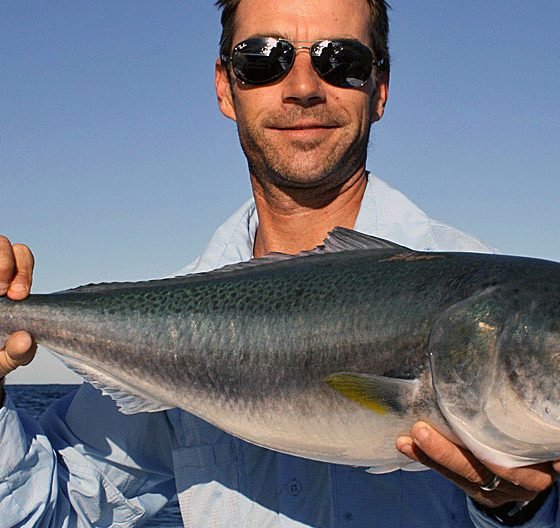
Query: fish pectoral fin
x,y
380,394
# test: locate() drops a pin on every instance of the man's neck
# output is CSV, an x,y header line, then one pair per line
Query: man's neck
x,y
295,220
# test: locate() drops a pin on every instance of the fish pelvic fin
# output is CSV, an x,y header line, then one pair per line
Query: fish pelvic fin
x,y
381,394
394,466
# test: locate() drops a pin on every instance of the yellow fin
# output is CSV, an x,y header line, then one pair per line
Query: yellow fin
x,y
380,394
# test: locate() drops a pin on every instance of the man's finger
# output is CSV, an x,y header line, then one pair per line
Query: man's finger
x,y
462,467
536,478
19,350
497,497
448,454
21,282
7,264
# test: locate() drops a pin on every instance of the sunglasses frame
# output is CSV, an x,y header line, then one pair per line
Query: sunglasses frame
x,y
292,48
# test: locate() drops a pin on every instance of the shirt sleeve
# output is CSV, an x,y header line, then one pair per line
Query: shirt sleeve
x,y
86,465
546,516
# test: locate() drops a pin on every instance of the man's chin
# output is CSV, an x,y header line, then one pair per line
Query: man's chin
x,y
304,165
307,177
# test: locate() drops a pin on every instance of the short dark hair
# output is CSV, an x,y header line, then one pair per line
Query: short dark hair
x,y
379,28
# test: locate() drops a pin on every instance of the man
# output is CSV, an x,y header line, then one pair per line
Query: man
x,y
296,76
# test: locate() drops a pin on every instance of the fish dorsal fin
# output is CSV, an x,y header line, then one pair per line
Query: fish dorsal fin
x,y
129,400
338,240
343,239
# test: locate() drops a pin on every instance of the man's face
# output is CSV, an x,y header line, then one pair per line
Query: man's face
x,y
300,131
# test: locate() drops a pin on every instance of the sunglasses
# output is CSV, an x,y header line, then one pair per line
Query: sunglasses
x,y
345,63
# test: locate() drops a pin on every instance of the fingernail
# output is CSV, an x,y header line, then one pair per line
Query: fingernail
x,y
421,435
17,287
404,446
3,286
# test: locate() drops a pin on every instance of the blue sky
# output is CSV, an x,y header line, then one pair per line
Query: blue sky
x,y
115,163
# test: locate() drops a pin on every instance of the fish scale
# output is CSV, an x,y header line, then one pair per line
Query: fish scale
x,y
330,354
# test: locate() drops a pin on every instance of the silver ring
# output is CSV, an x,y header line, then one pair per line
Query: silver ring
x,y
492,485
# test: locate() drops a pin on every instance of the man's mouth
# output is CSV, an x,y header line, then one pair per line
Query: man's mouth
x,y
307,125
305,131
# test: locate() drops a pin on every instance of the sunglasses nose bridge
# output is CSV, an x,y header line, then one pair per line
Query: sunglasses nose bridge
x,y
302,84
298,50
308,65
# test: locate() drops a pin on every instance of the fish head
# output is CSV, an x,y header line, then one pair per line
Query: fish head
x,y
529,350
495,362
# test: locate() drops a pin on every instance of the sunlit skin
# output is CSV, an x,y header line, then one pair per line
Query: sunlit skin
x,y
306,141
16,272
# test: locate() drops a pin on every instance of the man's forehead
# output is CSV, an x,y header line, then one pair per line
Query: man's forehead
x,y
302,19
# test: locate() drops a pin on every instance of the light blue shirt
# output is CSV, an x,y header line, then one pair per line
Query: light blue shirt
x,y
89,465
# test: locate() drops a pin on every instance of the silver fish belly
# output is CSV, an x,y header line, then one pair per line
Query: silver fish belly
x,y
331,354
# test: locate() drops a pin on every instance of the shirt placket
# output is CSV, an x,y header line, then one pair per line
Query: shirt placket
x,y
293,491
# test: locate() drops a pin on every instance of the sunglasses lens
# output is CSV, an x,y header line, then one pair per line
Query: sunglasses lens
x,y
343,63
261,60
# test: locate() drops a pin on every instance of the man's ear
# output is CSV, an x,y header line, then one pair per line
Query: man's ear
x,y
380,96
224,90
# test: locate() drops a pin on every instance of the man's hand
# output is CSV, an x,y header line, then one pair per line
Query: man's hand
x,y
460,466
16,272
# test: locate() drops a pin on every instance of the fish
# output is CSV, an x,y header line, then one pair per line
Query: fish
x,y
330,354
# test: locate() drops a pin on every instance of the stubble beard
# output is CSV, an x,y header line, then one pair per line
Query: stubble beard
x,y
302,164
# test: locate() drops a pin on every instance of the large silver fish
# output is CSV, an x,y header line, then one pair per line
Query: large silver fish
x,y
331,354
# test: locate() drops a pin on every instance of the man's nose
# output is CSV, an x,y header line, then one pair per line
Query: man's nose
x,y
303,85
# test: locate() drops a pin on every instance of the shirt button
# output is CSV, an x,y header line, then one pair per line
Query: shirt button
x,y
347,516
294,487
